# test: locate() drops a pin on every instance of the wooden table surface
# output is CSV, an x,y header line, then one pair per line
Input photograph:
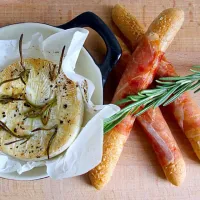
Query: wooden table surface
x,y
138,174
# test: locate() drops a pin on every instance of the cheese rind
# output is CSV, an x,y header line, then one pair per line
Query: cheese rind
x,y
66,113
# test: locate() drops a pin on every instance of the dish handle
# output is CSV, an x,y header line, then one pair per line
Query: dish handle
x,y
89,19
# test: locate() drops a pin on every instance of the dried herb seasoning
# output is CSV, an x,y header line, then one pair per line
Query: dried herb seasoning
x,y
41,111
25,73
52,137
4,99
52,71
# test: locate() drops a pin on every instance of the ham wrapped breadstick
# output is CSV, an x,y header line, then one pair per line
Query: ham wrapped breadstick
x,y
138,75
184,109
164,144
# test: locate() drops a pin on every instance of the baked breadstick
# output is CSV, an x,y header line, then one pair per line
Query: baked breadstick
x,y
138,75
185,110
175,171
126,22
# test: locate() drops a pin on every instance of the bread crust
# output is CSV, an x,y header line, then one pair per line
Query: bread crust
x,y
176,171
114,140
166,25
112,148
128,25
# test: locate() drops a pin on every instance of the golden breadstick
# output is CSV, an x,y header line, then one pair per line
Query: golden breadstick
x,y
126,22
175,172
140,71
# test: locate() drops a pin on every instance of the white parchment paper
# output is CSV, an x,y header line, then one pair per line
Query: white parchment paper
x,y
86,151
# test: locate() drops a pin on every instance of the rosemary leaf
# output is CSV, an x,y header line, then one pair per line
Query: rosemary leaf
x,y
43,129
135,97
114,117
20,52
52,72
8,143
61,59
9,80
197,90
55,127
195,71
24,76
166,96
4,99
41,111
151,91
51,140
134,110
194,86
5,128
126,100
164,83
176,95
164,87
140,94
110,126
150,105
26,140
46,115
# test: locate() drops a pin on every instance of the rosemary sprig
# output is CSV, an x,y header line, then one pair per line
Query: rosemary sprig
x,y
52,72
167,90
41,111
5,128
25,73
9,80
21,137
4,99
8,143
52,137
61,59
20,52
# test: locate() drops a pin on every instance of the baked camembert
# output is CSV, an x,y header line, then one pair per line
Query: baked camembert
x,y
41,110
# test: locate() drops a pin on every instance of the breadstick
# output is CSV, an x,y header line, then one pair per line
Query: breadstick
x,y
138,75
126,22
175,171
185,110
150,115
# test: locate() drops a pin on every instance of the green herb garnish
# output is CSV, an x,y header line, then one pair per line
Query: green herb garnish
x,y
25,73
20,52
4,99
52,72
8,143
41,111
9,80
61,59
52,137
167,90
21,137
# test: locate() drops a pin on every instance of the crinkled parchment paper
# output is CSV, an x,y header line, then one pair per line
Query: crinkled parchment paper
x,y
86,151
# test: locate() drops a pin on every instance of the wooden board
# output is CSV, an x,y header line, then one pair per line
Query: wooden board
x,y
138,175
